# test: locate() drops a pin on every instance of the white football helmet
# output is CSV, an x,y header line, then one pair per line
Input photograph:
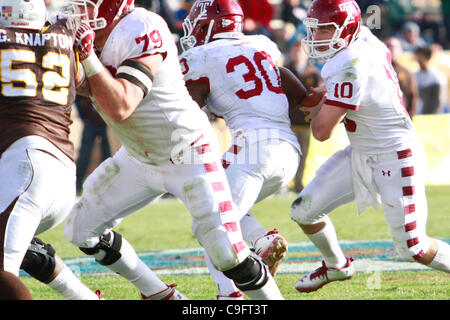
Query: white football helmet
x,y
26,14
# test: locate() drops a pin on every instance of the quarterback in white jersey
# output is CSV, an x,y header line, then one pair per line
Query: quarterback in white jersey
x,y
236,77
384,164
168,145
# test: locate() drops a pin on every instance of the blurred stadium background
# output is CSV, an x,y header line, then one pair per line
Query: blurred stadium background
x,y
281,20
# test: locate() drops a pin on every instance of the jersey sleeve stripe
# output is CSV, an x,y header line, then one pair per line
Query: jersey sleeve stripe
x,y
136,76
341,104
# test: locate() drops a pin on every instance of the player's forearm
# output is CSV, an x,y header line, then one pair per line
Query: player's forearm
x,y
325,121
117,98
112,96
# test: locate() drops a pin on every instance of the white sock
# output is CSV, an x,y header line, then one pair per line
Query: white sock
x,y
136,271
251,229
326,241
70,287
442,259
269,291
225,285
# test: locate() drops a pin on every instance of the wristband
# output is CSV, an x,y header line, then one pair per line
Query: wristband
x,y
92,65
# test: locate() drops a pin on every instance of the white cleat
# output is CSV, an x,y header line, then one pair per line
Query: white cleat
x,y
272,248
167,294
323,275
237,295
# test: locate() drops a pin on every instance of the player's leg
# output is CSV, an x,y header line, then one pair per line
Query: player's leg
x,y
12,250
204,189
41,260
245,184
280,160
331,187
42,263
254,172
47,180
226,288
107,199
276,167
405,209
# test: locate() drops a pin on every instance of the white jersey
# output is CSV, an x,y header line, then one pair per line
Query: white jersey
x,y
244,82
361,79
167,119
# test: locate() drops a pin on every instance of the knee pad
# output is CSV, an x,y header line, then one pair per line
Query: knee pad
x,y
109,245
199,197
217,244
39,261
251,274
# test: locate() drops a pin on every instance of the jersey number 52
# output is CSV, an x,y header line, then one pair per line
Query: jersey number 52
x,y
16,82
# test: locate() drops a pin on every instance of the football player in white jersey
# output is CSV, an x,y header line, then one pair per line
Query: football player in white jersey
x,y
385,163
236,77
168,145
37,169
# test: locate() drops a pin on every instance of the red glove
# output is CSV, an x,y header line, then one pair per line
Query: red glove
x,y
84,40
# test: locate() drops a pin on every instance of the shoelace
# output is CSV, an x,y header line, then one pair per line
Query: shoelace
x,y
322,271
170,292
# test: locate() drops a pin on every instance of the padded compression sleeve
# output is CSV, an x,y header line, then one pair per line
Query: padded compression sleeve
x,y
136,73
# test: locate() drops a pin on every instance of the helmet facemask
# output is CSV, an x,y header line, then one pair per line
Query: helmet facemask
x,y
99,18
94,22
189,41
334,44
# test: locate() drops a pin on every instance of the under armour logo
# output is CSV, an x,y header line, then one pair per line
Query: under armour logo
x,y
386,173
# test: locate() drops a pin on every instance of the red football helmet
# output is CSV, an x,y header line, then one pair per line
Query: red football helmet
x,y
344,15
211,19
103,11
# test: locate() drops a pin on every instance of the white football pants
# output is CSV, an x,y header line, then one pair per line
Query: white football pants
x,y
255,171
258,170
37,191
399,181
121,185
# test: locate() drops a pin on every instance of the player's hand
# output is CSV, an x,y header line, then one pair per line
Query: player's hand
x,y
311,112
84,40
314,98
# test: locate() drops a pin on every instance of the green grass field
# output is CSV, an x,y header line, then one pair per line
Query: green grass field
x,y
167,225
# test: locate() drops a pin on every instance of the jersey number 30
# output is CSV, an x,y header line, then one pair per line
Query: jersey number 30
x,y
24,83
258,59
